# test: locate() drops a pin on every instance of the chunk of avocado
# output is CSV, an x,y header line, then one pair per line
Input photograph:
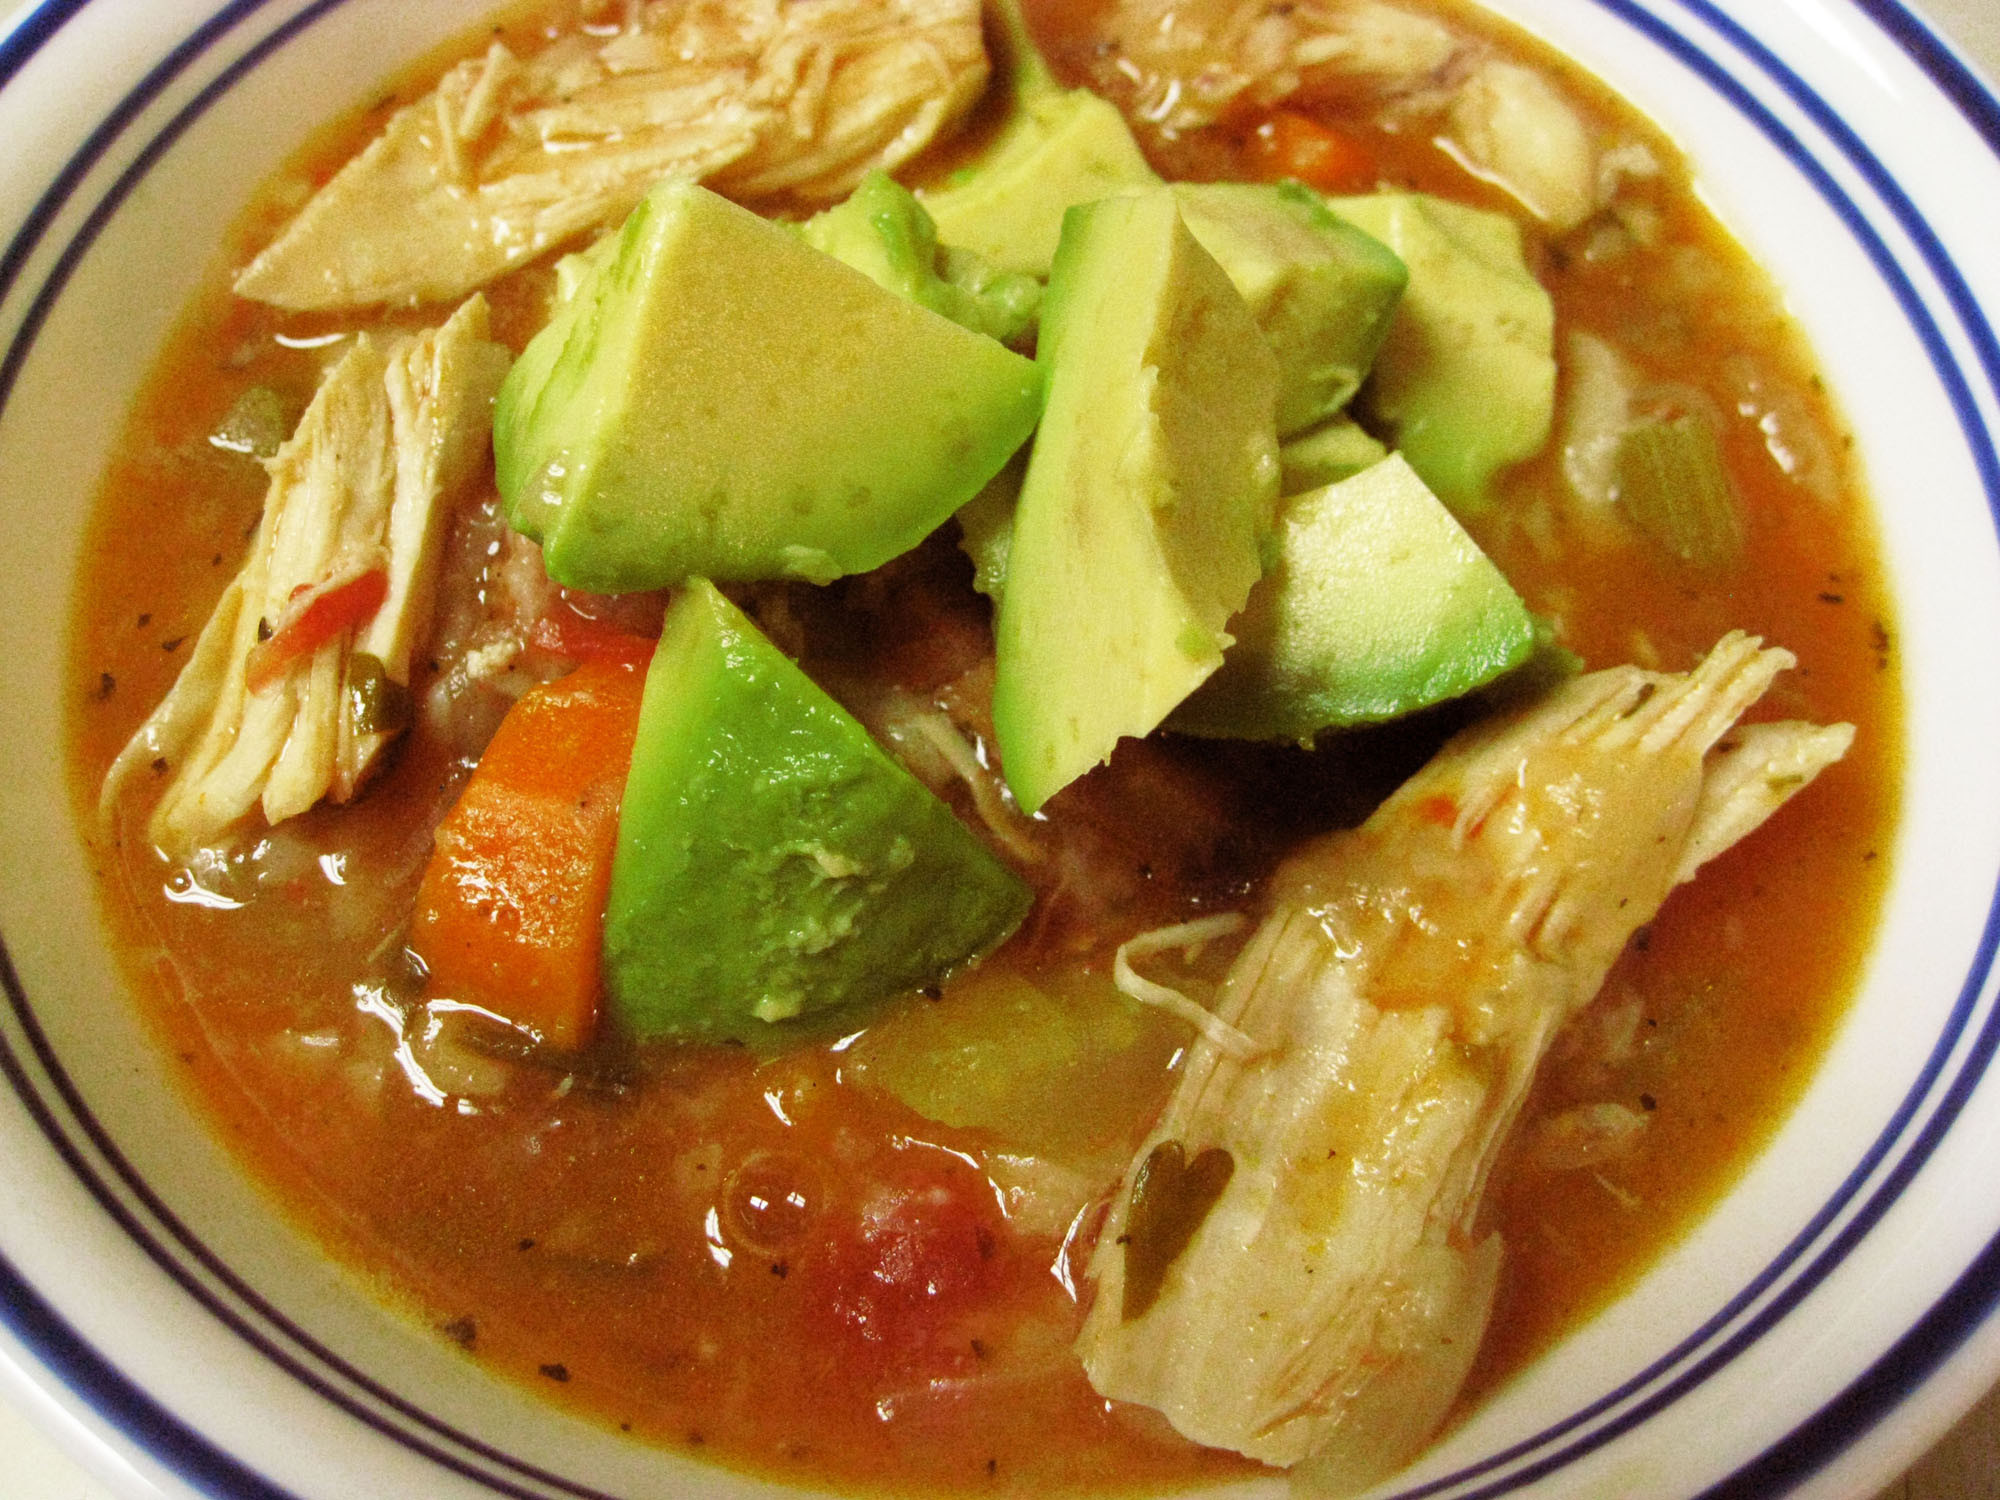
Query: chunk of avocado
x,y
1467,375
717,398
883,232
1338,450
986,526
773,861
1335,450
1054,148
1323,291
1379,605
1149,498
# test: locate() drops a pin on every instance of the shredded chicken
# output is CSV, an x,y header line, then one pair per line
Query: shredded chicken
x,y
509,157
1187,62
1585,1137
1188,936
1511,126
1182,64
1293,1266
355,510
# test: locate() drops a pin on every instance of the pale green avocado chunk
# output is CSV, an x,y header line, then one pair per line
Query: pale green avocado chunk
x,y
773,862
719,399
1150,494
883,232
1323,291
1338,450
986,526
1053,149
1467,376
1380,604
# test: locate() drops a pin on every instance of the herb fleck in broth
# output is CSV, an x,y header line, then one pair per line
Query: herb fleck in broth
x,y
684,1242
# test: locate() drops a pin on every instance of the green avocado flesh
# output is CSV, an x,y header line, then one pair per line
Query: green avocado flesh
x,y
1467,374
773,862
1149,498
1323,291
1379,605
1326,455
883,232
719,399
1054,148
986,526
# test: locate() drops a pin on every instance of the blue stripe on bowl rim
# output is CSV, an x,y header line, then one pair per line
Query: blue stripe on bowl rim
x,y
1878,1180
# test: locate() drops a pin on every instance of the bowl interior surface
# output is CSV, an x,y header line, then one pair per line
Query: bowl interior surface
x,y
142,126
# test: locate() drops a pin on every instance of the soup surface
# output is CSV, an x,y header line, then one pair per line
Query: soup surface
x,y
858,1260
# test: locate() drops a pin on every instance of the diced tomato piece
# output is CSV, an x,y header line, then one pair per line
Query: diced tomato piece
x,y
1286,143
563,632
510,914
1440,809
918,1257
314,615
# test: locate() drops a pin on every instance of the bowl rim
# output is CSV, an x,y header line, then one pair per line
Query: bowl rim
x,y
1918,1356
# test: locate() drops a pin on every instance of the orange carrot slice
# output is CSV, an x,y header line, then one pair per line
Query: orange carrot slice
x,y
510,914
1288,144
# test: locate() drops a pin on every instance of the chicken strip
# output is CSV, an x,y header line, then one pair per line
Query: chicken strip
x,y
1293,1266
1188,63
509,158
287,697
1180,65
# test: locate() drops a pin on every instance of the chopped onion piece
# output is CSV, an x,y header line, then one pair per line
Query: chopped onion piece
x,y
1595,416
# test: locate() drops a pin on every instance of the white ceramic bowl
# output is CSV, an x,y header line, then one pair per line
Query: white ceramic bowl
x,y
1816,1332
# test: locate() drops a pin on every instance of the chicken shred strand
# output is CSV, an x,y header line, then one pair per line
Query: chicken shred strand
x,y
512,157
1186,64
396,432
1400,992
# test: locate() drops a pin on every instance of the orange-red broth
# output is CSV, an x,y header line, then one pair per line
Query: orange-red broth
x,y
772,1262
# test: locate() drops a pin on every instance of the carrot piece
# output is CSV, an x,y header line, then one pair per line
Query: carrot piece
x,y
1288,144
510,914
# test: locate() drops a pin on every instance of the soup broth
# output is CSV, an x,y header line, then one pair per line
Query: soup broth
x,y
784,1260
